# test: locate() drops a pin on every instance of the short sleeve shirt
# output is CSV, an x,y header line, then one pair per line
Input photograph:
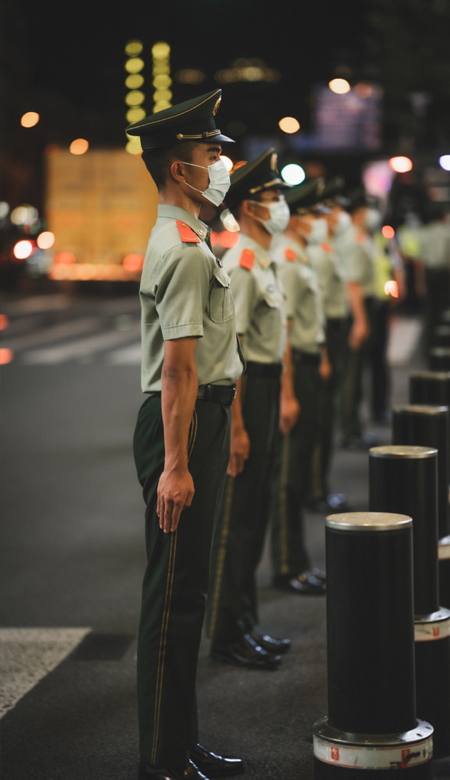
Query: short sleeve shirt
x,y
184,292
259,300
325,262
357,257
303,301
435,245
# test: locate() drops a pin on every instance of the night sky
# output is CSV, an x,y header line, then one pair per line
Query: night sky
x,y
76,50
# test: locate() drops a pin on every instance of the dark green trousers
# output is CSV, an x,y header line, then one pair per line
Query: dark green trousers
x,y
437,283
292,475
239,535
336,334
175,582
352,383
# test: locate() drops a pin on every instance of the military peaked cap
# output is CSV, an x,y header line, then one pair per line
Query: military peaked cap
x,y
360,199
193,120
302,198
333,189
255,177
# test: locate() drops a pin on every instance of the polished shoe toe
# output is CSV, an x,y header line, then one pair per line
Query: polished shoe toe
x,y
270,643
245,652
214,765
306,584
319,573
192,772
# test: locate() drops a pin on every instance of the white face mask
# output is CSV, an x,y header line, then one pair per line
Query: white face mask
x,y
319,231
279,215
343,223
219,181
372,219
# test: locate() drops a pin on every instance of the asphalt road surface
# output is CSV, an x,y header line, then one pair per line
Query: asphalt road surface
x,y
72,560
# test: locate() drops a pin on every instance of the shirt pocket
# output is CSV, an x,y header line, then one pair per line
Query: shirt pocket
x,y
221,306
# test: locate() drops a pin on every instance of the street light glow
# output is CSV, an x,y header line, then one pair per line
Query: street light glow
x,y
388,231
79,146
401,164
289,124
293,174
22,250
339,86
444,162
46,239
30,119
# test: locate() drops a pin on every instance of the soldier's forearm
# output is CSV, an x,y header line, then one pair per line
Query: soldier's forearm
x,y
178,396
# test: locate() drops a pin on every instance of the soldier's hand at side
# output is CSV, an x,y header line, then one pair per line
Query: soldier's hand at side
x,y
289,412
359,333
325,369
175,492
240,450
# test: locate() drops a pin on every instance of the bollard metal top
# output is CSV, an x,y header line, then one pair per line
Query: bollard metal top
x,y
437,376
403,451
368,521
419,409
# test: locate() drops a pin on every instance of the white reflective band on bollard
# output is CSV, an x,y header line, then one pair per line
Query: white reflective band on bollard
x,y
361,757
432,627
444,548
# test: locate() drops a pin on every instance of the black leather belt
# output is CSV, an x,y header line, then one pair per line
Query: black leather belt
x,y
307,358
219,394
268,370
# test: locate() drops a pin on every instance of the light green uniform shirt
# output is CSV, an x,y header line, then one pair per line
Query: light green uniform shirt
x,y
303,302
357,257
326,264
185,292
259,301
435,245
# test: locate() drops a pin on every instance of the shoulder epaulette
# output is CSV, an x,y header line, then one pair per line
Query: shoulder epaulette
x,y
360,238
247,259
326,247
290,254
187,235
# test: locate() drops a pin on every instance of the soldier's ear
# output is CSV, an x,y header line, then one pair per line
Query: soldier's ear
x,y
247,208
176,171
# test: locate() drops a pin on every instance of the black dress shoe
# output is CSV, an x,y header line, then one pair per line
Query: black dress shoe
x,y
246,652
214,765
148,772
319,573
305,584
270,643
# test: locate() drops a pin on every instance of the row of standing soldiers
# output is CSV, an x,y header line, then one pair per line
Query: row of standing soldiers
x,y
258,344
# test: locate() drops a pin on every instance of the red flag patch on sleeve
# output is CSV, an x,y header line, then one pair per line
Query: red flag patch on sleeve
x,y
187,235
290,254
247,259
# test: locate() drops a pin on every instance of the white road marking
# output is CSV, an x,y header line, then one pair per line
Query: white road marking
x,y
81,348
127,356
29,654
55,333
404,335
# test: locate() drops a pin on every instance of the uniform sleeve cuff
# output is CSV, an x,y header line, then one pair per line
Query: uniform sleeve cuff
x,y
181,331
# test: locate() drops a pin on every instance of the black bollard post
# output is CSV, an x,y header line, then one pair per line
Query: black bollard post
x,y
441,336
433,387
404,479
439,359
371,723
427,426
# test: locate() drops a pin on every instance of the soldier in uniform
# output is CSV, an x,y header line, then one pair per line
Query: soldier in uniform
x,y
327,265
255,199
310,368
190,363
356,253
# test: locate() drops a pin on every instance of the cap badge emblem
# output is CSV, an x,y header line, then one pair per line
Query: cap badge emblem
x,y
216,106
273,161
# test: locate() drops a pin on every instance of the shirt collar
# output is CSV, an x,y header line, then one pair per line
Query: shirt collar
x,y
174,212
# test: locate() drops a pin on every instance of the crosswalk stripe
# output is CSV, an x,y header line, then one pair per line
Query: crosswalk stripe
x,y
29,654
127,356
80,348
55,333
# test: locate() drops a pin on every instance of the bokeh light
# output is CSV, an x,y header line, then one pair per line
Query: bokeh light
x,y
444,162
289,125
134,81
189,76
4,321
21,215
388,231
22,250
401,164
65,258
6,356
133,262
160,50
135,115
293,174
135,65
134,98
227,239
4,209
79,146
46,239
391,288
227,162
339,86
30,119
133,48
363,90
